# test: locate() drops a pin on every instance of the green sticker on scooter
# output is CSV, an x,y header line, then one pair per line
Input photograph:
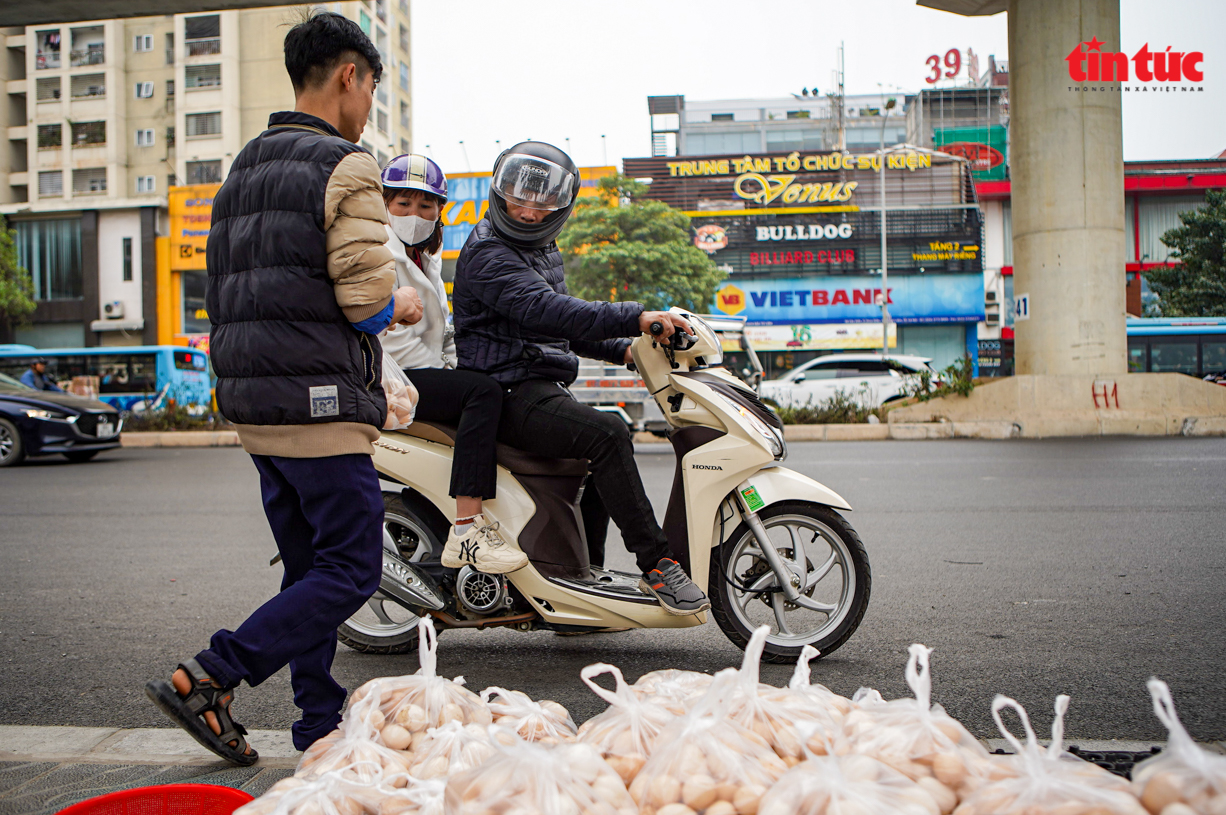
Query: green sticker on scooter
x,y
752,499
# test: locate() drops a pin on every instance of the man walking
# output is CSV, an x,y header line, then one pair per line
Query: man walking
x,y
300,281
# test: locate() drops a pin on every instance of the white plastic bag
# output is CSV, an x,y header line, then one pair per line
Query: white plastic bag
x,y
1049,781
918,738
802,682
777,714
1184,778
531,779
706,763
451,748
407,706
675,689
351,752
626,733
332,794
400,393
843,785
546,721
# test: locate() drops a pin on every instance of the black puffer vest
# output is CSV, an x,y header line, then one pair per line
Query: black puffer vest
x,y
283,350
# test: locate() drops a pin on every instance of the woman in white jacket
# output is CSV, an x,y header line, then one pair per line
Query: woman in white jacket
x,y
415,191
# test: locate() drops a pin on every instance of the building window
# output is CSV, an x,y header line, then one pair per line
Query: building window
x,y
89,181
364,22
86,134
170,136
404,75
381,157
404,6
88,46
142,42
404,38
203,125
144,137
50,137
47,89
170,87
201,76
51,250
204,172
381,93
382,119
48,45
127,260
404,113
722,117
144,90
86,85
404,146
368,148
170,48
50,184
195,318
202,35
381,9
146,183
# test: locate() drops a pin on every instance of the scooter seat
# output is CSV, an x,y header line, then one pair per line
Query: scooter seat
x,y
517,461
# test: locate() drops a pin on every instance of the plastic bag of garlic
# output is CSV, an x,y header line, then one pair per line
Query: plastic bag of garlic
x,y
1183,779
706,763
779,715
531,779
626,733
919,739
1051,781
545,722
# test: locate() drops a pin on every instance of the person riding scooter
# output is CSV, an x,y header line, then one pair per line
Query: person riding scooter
x,y
516,322
415,190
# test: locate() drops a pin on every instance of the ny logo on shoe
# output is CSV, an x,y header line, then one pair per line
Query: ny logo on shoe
x,y
468,551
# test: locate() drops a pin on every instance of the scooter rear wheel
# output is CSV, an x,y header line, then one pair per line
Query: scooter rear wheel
x,y
383,626
828,564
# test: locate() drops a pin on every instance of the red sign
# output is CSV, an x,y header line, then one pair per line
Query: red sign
x,y
1095,65
982,157
823,256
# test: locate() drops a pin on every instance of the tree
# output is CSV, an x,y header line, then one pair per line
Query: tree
x,y
16,284
1196,287
621,245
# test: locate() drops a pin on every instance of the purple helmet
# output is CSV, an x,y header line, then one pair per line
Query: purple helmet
x,y
415,172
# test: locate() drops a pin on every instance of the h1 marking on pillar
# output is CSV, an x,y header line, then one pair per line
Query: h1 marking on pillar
x,y
1107,391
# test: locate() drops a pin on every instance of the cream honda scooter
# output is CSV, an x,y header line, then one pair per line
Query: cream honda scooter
x,y
766,543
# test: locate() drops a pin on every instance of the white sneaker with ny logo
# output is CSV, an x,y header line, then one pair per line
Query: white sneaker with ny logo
x,y
482,547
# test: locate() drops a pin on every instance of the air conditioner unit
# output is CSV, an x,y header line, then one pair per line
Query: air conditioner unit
x,y
113,310
989,296
992,318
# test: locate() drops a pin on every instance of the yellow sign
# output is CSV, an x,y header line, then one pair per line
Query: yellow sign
x,y
765,189
947,250
191,211
730,300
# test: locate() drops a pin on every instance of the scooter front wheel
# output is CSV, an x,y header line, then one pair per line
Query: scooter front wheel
x,y
827,564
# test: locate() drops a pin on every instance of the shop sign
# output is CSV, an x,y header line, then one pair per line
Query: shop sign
x,y
711,238
730,300
946,250
191,212
981,156
794,163
928,298
985,148
819,256
803,232
804,337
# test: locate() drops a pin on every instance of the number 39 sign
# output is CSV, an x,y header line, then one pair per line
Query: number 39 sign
x,y
952,64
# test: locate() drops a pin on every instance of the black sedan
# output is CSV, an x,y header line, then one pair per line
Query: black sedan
x,y
43,423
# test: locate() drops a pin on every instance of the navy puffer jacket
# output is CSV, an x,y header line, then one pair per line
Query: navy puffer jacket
x,y
515,321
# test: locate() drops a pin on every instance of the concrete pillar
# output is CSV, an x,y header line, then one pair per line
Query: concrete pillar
x,y
1066,164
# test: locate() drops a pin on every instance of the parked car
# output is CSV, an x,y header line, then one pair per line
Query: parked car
x,y
878,378
43,423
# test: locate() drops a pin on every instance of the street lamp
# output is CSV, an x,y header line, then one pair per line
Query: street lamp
x,y
885,289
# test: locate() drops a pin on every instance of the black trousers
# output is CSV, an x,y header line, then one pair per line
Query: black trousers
x,y
472,402
543,418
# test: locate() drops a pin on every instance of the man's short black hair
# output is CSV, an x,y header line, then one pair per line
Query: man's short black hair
x,y
314,48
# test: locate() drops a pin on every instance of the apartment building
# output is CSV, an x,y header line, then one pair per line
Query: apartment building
x,y
102,118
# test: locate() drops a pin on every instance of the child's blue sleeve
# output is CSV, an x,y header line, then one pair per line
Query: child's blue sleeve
x,y
375,324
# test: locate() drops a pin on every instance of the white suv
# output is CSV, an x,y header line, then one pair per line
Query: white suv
x,y
819,379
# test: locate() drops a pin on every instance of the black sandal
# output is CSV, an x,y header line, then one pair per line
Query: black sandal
x,y
188,712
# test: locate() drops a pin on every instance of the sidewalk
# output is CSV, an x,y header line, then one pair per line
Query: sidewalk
x,y
44,769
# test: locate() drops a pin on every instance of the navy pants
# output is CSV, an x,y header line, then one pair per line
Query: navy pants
x,y
326,515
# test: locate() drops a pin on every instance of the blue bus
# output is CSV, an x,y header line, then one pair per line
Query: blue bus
x,y
1186,345
132,378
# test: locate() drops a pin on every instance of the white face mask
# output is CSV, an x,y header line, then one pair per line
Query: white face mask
x,y
412,229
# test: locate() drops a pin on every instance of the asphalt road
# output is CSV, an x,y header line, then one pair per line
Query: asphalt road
x,y
1033,567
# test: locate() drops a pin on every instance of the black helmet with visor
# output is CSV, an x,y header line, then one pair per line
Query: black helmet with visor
x,y
537,176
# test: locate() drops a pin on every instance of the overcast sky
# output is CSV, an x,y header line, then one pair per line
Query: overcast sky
x,y
557,69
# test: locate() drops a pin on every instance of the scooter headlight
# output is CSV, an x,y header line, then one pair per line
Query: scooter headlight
x,y
772,437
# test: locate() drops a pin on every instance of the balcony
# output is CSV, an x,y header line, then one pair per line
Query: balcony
x,y
203,48
88,56
46,59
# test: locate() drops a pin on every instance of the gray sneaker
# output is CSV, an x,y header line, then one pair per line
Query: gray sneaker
x,y
669,584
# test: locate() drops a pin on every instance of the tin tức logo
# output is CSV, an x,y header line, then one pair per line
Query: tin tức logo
x,y
1087,62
